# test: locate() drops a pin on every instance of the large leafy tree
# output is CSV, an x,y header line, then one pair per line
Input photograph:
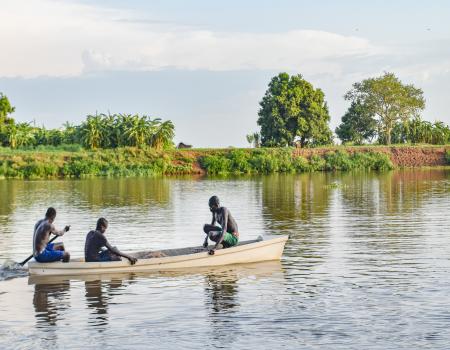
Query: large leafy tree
x,y
357,126
292,110
5,110
387,99
5,122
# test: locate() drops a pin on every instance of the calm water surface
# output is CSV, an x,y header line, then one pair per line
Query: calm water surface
x,y
367,264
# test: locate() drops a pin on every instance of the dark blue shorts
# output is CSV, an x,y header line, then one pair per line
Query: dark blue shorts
x,y
50,254
106,255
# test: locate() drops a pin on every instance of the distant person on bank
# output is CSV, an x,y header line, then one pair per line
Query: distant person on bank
x,y
43,251
225,234
97,247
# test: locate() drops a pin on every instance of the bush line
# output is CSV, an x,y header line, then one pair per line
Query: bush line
x,y
266,161
129,161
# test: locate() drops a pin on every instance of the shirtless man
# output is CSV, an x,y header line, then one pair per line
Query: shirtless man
x,y
227,233
96,240
42,250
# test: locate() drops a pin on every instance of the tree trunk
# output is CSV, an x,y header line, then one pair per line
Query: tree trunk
x,y
302,142
388,136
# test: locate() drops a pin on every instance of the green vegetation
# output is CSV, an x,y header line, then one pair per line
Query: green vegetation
x,y
254,139
382,109
387,100
57,163
358,125
97,131
293,111
54,162
265,161
417,130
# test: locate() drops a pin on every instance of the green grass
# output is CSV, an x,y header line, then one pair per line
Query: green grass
x,y
119,162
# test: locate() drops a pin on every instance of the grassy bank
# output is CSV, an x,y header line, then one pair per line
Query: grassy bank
x,y
54,163
265,161
66,162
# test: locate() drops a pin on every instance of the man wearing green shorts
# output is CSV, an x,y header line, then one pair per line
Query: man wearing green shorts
x,y
227,234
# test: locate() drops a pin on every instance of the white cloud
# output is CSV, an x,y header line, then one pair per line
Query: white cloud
x,y
60,38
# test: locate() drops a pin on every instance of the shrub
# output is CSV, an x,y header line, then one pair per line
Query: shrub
x,y
301,164
239,161
216,164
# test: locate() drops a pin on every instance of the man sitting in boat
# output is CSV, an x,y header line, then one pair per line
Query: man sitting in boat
x,y
43,251
227,234
96,240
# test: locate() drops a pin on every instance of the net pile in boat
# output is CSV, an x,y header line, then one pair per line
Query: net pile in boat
x,y
180,251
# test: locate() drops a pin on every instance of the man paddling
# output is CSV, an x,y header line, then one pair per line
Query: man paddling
x,y
227,234
96,240
42,250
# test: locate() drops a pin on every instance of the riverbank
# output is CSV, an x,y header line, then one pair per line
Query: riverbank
x,y
58,163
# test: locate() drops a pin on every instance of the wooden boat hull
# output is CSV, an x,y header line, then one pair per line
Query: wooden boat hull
x,y
268,249
225,272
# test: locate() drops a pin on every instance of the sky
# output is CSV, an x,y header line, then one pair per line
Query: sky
x,y
205,65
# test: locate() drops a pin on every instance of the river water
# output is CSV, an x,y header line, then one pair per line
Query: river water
x,y
367,265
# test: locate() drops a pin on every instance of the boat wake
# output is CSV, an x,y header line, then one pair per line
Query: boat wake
x,y
11,269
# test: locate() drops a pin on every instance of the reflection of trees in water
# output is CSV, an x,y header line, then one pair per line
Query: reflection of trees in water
x,y
49,301
298,205
406,190
221,293
384,209
124,191
98,192
287,196
391,193
8,195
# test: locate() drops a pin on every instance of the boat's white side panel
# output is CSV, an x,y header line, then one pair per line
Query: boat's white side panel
x,y
270,249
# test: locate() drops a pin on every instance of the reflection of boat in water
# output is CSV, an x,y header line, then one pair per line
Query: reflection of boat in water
x,y
103,292
193,257
48,301
252,270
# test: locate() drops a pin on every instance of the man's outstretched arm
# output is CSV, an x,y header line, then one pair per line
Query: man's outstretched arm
x,y
116,251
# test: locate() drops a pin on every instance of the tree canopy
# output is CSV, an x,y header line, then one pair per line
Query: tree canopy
x,y
387,99
5,110
292,110
357,126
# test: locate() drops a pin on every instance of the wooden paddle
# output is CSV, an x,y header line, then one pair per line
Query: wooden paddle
x,y
26,260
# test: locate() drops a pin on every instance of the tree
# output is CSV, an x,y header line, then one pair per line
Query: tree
x,y
20,134
92,131
163,135
357,125
5,110
254,139
5,121
291,110
387,99
140,129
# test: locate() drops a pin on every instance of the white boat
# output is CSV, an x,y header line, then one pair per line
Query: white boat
x,y
269,248
218,273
